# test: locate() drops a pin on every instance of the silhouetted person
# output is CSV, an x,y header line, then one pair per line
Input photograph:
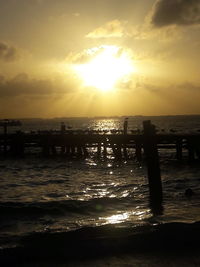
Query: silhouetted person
x,y
125,125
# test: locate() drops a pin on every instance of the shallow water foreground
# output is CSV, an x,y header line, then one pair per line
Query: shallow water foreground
x,y
172,243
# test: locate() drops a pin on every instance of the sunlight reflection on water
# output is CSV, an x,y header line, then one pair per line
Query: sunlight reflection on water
x,y
106,125
126,216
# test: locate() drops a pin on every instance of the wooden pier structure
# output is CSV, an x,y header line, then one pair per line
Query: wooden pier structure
x,y
80,144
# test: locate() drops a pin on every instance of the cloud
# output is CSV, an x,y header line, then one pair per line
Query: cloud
x,y
84,56
22,84
87,55
176,12
8,53
188,86
114,28
119,29
166,35
150,84
173,88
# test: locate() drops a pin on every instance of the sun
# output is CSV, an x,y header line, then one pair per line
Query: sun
x,y
106,67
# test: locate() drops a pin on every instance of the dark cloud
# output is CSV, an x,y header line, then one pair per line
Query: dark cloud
x,y
22,84
8,53
139,83
179,12
190,87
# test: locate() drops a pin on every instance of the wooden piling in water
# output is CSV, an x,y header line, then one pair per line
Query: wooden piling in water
x,y
125,153
105,149
85,152
138,150
119,151
153,167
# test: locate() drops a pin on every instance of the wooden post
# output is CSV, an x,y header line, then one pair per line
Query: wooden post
x,y
67,149
62,139
72,147
105,149
113,149
119,151
138,151
125,151
124,144
99,149
79,151
153,167
85,152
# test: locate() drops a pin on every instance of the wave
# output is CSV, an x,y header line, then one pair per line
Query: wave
x,y
34,209
94,242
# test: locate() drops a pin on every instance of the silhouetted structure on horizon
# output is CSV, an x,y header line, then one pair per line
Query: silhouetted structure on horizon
x,y
78,143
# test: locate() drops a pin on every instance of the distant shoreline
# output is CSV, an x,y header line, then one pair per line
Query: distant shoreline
x,y
101,117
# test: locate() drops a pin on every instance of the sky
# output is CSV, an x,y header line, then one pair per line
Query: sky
x,y
85,58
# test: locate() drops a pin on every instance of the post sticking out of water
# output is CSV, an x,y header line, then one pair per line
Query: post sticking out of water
x,y
153,167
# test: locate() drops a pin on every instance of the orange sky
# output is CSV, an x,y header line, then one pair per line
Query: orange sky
x,y
68,58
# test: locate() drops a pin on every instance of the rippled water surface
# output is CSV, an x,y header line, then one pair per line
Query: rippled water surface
x,y
40,194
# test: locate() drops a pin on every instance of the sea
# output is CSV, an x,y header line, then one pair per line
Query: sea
x,y
67,195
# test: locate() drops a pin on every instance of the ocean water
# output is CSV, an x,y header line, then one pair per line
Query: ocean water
x,y
59,195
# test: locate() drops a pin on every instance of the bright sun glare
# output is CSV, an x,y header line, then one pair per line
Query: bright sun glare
x,y
109,65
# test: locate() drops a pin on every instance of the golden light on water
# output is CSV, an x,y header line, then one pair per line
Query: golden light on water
x,y
105,124
109,65
125,216
118,218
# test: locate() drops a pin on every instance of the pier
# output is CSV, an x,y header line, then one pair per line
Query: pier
x,y
84,143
